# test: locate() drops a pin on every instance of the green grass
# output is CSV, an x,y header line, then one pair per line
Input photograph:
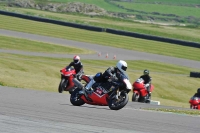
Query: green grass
x,y
145,9
130,43
163,9
188,112
31,72
182,33
169,1
34,46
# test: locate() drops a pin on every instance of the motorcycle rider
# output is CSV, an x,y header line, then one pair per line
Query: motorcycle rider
x,y
113,72
147,81
198,93
78,66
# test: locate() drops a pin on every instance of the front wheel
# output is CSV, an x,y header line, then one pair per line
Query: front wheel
x,y
116,104
135,97
62,85
75,98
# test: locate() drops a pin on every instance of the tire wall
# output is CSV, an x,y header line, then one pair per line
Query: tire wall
x,y
40,19
195,74
99,29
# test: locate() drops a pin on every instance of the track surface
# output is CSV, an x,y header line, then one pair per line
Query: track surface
x,y
32,111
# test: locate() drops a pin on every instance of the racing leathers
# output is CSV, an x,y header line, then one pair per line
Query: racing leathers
x,y
78,69
147,81
197,95
99,77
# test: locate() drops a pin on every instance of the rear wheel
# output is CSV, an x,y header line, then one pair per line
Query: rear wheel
x,y
75,98
116,104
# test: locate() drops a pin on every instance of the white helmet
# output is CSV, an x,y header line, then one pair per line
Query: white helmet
x,y
122,66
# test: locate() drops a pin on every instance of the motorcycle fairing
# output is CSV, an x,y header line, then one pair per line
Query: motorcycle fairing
x,y
99,96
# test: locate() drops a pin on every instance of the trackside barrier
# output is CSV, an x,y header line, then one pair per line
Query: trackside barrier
x,y
40,19
195,74
99,29
155,102
155,38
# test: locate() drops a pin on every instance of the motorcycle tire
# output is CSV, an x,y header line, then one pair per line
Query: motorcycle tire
x,y
135,98
75,98
123,95
61,87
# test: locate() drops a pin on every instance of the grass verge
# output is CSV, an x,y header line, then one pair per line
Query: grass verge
x,y
34,46
17,24
188,112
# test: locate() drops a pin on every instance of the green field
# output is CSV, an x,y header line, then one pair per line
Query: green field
x,y
166,1
182,33
182,11
130,43
163,9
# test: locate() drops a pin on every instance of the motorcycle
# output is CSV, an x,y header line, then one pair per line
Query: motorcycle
x,y
194,103
103,94
140,93
67,76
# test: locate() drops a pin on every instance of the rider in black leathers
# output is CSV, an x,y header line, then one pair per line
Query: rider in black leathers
x,y
198,93
78,66
147,80
111,72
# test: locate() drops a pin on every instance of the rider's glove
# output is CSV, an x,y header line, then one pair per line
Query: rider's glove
x,y
112,78
146,85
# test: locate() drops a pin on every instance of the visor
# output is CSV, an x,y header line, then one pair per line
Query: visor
x,y
75,61
124,68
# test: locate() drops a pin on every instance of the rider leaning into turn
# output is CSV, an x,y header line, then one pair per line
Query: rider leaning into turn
x,y
78,66
147,80
121,67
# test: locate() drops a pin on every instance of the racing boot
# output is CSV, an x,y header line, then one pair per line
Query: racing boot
x,y
148,97
85,91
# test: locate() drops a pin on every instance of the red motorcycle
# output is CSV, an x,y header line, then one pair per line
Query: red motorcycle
x,y
67,76
140,93
194,103
104,94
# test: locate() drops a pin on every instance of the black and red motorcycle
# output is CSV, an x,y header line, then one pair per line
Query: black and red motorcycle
x,y
104,93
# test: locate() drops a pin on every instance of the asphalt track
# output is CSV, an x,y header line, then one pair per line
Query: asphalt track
x,y
120,53
31,111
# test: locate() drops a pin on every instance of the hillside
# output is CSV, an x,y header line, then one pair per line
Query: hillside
x,y
181,12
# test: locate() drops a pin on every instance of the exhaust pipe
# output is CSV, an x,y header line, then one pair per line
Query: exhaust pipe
x,y
77,83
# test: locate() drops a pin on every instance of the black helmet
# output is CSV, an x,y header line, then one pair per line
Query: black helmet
x,y
198,90
146,72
